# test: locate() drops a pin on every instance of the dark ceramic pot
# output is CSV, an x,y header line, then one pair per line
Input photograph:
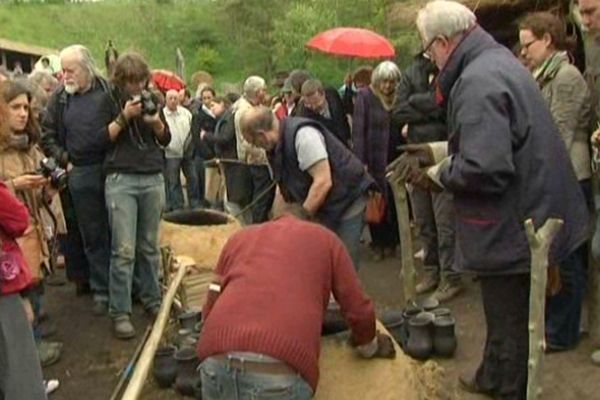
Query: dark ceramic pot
x,y
442,312
187,376
428,303
333,322
182,336
394,323
164,367
189,319
407,314
419,344
444,337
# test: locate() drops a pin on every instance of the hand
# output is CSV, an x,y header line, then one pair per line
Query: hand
x,y
554,282
202,134
402,166
132,109
418,177
29,181
385,347
421,151
404,131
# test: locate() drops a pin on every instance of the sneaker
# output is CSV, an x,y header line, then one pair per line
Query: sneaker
x,y
123,327
49,352
51,385
447,291
428,283
99,308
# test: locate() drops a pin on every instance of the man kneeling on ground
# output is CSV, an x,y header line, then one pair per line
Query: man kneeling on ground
x,y
263,316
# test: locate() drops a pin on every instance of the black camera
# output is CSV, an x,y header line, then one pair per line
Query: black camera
x,y
148,105
50,169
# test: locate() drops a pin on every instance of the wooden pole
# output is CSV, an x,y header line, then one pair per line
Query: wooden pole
x,y
145,362
539,243
127,371
408,264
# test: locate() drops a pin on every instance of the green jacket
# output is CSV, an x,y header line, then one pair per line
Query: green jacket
x,y
569,98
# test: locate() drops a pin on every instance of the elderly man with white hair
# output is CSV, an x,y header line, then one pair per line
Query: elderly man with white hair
x,y
179,155
75,132
261,197
507,164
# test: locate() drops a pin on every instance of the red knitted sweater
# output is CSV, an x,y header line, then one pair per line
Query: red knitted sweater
x,y
275,283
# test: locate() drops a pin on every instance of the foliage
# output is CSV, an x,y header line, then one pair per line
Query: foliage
x,y
230,38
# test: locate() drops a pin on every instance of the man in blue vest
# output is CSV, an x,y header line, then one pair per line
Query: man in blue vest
x,y
313,168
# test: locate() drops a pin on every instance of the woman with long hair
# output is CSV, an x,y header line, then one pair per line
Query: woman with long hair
x,y
20,161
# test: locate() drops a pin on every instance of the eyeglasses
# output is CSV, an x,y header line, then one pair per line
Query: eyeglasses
x,y
525,46
428,47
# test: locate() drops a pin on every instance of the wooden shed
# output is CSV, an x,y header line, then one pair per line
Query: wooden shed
x,y
13,53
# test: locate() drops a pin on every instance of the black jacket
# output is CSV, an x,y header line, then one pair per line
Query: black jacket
x,y
349,178
338,124
415,104
223,138
88,146
202,121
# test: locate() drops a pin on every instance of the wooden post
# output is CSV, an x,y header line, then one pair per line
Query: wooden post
x,y
539,243
408,264
145,362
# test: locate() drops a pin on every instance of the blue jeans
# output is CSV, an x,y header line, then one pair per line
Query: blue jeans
x,y
86,185
349,231
563,310
135,203
173,189
220,381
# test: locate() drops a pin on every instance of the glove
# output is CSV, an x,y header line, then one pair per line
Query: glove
x,y
385,347
419,178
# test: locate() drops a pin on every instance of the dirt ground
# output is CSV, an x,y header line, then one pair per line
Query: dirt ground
x,y
93,360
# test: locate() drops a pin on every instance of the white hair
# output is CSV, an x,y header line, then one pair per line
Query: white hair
x,y
386,70
85,58
444,18
252,86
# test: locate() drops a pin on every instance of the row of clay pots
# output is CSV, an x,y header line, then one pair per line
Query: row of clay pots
x,y
422,333
178,367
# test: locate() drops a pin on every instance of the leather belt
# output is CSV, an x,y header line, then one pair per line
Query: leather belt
x,y
273,368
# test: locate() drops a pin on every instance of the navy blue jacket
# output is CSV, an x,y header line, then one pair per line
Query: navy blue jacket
x,y
349,178
509,163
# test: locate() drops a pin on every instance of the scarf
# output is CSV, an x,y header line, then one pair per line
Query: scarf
x,y
19,141
549,68
387,101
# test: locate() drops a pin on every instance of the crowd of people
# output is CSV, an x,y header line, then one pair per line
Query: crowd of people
x,y
482,139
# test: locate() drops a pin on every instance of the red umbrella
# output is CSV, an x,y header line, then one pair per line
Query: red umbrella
x,y
352,42
166,80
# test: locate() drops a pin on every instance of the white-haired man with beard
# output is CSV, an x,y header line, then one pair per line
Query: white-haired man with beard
x,y
75,131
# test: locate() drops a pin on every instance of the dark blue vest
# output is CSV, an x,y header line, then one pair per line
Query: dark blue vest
x,y
349,178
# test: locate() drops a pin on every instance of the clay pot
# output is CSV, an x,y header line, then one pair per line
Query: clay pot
x,y
428,303
188,320
187,376
394,323
444,338
407,314
429,316
198,327
333,322
420,343
442,312
182,336
164,367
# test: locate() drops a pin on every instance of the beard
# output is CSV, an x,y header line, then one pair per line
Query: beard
x,y
71,88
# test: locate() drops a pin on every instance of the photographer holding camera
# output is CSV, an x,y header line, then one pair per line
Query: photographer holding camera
x,y
135,191
20,170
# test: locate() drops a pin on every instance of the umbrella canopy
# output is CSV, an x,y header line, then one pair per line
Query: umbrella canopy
x,y
352,42
166,80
